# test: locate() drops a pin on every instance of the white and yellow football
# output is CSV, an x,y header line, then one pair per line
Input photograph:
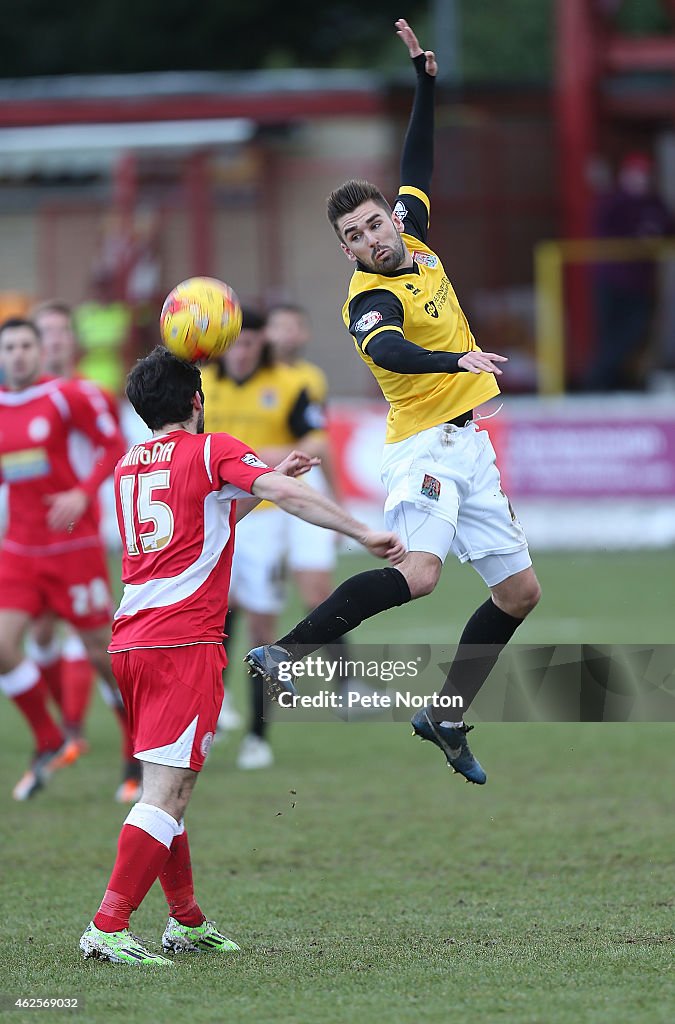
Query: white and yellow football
x,y
200,319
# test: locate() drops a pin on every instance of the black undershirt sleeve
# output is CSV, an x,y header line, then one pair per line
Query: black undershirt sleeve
x,y
305,416
393,352
417,157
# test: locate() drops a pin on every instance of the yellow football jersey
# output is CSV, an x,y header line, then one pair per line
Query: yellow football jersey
x,y
420,303
270,408
314,379
259,410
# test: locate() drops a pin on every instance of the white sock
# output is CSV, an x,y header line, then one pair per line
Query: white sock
x,y
21,679
46,654
157,823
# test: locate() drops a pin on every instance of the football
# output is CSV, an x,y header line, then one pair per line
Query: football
x,y
200,318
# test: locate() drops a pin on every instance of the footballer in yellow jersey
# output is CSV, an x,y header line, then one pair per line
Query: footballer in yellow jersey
x,y
443,487
266,405
311,553
418,302
288,330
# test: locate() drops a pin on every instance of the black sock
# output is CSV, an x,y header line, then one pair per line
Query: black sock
x,y
258,725
338,652
228,629
337,649
358,598
485,635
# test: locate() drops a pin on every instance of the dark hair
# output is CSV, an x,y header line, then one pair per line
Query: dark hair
x,y
288,307
347,197
251,320
161,388
53,306
19,321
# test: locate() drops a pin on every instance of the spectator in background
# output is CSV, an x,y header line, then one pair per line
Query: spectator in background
x,y
103,325
626,291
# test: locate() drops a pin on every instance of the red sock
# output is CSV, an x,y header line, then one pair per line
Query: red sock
x,y
113,698
53,677
140,858
24,686
78,679
127,739
176,881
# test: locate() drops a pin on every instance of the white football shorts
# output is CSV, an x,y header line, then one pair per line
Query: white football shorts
x,y
444,495
258,582
310,547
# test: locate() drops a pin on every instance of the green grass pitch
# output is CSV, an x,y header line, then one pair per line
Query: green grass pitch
x,y
363,881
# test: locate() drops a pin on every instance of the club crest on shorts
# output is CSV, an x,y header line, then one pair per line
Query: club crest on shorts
x,y
207,740
431,487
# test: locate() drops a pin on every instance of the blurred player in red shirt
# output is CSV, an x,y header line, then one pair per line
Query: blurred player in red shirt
x,y
51,557
63,661
178,498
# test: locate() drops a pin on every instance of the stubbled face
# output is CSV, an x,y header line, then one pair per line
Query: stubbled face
x,y
242,359
372,235
288,331
20,357
59,347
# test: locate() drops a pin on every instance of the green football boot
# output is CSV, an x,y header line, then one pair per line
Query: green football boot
x,y
202,938
117,947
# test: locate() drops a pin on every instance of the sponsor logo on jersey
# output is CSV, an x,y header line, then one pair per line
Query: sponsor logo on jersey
x,y
269,399
431,487
38,428
368,321
427,259
412,288
401,210
252,460
207,740
430,308
25,465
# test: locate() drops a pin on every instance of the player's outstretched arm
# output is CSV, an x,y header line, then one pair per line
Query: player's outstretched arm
x,y
406,34
417,158
295,497
293,464
393,352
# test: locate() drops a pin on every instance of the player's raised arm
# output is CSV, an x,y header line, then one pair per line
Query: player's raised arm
x,y
298,499
417,158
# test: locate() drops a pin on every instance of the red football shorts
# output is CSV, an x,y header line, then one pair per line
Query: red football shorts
x,y
173,697
73,584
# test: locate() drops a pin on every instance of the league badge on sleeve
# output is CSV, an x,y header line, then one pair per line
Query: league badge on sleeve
x,y
252,460
367,322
